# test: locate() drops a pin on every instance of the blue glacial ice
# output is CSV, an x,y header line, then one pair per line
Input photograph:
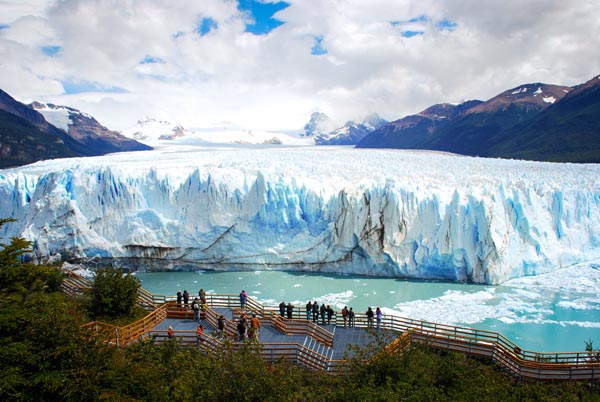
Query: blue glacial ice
x,y
374,212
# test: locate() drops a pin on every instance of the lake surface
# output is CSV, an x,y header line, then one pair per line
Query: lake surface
x,y
556,312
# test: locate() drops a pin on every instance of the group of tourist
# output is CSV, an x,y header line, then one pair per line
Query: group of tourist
x,y
378,316
248,329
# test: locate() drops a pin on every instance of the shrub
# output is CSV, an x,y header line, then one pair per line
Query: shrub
x,y
114,293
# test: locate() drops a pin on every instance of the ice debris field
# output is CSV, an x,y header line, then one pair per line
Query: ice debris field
x,y
394,213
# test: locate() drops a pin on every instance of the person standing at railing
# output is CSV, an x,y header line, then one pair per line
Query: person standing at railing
x,y
315,311
186,299
290,310
350,317
202,295
345,315
196,309
170,333
179,299
378,316
308,310
323,311
282,309
243,299
329,314
370,315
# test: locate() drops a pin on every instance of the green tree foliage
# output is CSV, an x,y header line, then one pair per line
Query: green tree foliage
x,y
25,278
114,293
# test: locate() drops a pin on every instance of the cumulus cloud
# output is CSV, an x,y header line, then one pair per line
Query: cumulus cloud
x,y
196,63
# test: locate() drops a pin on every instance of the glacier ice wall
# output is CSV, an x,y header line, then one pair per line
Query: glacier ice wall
x,y
373,212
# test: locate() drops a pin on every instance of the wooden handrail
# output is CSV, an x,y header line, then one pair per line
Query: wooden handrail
x,y
519,363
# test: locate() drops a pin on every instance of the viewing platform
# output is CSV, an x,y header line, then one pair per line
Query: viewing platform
x,y
326,347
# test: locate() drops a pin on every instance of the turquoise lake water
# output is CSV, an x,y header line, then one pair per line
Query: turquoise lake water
x,y
555,312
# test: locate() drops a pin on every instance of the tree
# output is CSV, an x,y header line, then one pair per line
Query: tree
x,y
114,293
25,278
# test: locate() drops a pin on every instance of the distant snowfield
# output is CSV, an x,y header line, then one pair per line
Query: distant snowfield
x,y
395,213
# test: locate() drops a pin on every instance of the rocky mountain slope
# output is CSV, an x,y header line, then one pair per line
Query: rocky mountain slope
x,y
29,133
533,121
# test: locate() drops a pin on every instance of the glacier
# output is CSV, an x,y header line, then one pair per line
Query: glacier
x,y
390,213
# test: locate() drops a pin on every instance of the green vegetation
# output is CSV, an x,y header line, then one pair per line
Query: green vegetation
x,y
47,355
113,293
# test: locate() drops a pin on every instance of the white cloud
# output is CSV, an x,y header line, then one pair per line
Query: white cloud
x,y
273,80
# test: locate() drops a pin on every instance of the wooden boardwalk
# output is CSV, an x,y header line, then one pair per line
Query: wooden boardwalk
x,y
325,347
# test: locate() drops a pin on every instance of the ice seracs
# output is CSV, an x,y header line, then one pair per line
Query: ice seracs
x,y
374,212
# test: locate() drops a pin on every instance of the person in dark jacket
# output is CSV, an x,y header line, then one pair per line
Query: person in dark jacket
x,y
186,299
315,311
290,310
323,313
308,310
221,325
282,309
329,314
370,315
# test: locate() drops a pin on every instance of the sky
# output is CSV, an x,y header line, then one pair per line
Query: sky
x,y
263,64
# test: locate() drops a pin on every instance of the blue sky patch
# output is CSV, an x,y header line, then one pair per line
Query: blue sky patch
x,y
150,60
446,25
318,48
51,50
78,87
420,18
410,34
410,27
262,13
206,25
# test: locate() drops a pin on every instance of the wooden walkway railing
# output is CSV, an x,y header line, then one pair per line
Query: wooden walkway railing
x,y
499,349
292,352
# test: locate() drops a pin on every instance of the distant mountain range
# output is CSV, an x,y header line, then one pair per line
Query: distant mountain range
x,y
323,130
29,133
533,121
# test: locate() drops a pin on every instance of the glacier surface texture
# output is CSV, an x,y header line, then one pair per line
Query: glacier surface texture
x,y
374,212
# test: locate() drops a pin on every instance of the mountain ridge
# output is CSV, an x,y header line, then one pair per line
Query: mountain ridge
x,y
512,124
27,135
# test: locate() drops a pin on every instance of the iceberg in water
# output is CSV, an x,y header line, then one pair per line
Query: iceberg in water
x,y
389,213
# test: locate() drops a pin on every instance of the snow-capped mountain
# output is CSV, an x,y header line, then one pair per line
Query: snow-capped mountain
x,y
153,132
392,213
319,124
86,130
350,133
149,131
38,131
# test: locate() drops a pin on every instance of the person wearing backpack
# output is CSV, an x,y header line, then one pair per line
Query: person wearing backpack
x,y
345,315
